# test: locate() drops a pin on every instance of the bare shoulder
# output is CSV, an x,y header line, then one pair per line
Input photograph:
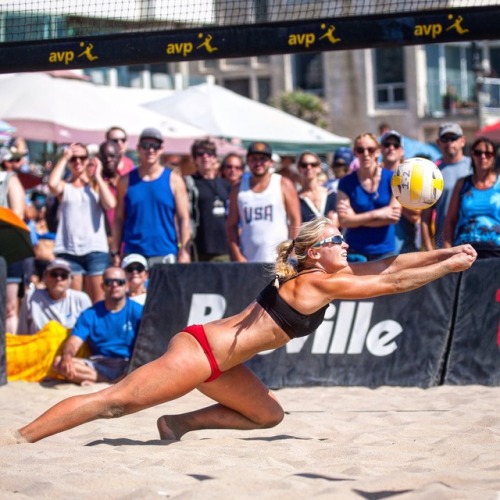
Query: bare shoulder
x,y
286,183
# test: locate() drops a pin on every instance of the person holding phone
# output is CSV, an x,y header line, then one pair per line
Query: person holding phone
x,y
81,231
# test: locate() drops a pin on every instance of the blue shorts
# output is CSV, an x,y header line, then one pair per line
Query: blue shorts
x,y
91,264
15,272
110,369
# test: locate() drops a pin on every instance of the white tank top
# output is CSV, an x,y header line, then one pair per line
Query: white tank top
x,y
263,219
81,228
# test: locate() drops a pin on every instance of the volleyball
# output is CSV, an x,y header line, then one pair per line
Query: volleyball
x,y
417,183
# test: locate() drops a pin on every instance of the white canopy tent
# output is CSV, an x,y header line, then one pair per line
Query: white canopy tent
x,y
60,110
223,113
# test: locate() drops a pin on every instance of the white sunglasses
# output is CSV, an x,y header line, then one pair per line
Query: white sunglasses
x,y
336,239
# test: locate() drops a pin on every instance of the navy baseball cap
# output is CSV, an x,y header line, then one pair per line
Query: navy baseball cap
x,y
343,156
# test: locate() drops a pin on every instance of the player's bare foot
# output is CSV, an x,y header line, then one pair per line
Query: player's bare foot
x,y
167,428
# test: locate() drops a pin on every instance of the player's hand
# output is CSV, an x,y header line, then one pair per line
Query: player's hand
x,y
462,261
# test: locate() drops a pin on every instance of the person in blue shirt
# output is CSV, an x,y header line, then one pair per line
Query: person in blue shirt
x,y
366,207
109,328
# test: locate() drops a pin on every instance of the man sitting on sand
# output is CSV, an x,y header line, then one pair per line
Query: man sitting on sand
x,y
110,327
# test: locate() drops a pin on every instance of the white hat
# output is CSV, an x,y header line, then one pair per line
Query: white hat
x,y
134,257
59,264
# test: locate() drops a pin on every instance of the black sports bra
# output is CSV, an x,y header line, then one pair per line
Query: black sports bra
x,y
291,321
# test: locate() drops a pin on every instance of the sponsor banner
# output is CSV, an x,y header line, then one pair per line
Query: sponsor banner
x,y
3,289
394,340
474,356
216,42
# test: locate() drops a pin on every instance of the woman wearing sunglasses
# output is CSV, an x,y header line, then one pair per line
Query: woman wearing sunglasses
x,y
366,208
81,232
314,197
310,272
473,214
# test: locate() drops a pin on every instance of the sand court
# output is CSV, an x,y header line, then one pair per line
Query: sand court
x,y
335,442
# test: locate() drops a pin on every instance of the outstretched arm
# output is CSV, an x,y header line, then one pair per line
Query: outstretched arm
x,y
406,272
412,260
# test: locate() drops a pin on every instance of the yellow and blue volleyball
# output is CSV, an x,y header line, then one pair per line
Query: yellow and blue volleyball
x,y
417,183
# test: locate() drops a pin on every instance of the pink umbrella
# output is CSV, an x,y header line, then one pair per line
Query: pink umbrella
x,y
48,109
491,131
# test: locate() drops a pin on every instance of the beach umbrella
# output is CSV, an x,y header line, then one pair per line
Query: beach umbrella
x,y
226,114
6,131
6,128
15,241
60,110
491,131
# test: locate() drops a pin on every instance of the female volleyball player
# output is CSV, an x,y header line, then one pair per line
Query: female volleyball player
x,y
210,357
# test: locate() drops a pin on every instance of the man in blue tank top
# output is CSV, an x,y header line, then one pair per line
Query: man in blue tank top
x,y
152,203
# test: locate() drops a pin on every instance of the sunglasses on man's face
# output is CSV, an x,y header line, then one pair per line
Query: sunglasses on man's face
x,y
336,239
114,281
135,267
64,275
395,145
203,152
449,138
155,146
119,139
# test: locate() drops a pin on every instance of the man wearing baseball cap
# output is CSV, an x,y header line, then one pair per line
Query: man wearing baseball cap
x,y
341,164
453,165
57,302
152,210
264,209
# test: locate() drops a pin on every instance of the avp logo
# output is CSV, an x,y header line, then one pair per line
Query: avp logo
x,y
343,331
67,56
434,30
308,39
185,48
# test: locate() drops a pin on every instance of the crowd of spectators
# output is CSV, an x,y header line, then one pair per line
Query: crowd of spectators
x,y
99,222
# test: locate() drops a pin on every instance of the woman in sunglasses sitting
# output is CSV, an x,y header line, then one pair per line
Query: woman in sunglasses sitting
x,y
309,273
81,232
366,208
136,271
473,214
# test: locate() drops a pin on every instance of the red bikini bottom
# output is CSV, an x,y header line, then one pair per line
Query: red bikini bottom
x,y
198,332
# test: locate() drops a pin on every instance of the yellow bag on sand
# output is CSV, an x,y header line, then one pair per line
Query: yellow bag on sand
x,y
30,357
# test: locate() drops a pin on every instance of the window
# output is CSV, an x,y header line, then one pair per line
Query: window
x,y
264,89
390,85
240,86
99,76
17,28
308,72
160,78
450,78
130,76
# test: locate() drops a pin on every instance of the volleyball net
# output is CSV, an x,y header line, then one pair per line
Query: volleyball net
x,y
61,34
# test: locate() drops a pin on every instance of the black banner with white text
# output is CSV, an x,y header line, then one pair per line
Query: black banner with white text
x,y
444,332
